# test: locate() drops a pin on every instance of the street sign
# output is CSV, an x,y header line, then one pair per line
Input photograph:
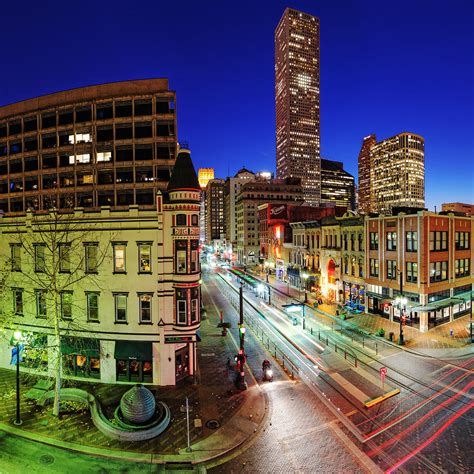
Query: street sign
x,y
383,373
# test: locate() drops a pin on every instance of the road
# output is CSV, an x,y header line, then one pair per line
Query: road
x,y
427,427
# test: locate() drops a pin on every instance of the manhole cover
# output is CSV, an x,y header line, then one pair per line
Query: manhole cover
x,y
46,459
213,424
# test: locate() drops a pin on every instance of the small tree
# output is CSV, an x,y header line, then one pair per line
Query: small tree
x,y
58,259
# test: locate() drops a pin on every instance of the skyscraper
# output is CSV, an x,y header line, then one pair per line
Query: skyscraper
x,y
297,101
337,185
395,168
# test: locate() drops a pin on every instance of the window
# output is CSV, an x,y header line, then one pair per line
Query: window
x,y
64,258
104,156
181,219
144,258
194,219
462,267
119,257
181,252
391,270
361,267
40,296
79,138
40,257
463,240
438,241
412,241
391,241
438,271
412,272
374,267
15,250
120,307
145,307
92,306
66,304
181,309
346,265
18,301
84,158
360,239
374,241
194,311
91,257
194,260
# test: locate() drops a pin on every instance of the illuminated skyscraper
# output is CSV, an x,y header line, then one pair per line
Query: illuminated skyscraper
x,y
297,101
204,176
396,170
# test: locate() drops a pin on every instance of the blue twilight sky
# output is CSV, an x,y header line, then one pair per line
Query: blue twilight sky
x,y
386,67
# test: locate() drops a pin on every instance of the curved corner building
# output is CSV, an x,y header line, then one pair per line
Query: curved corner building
x,y
105,145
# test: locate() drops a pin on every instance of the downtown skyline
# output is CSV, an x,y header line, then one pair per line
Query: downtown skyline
x,y
363,88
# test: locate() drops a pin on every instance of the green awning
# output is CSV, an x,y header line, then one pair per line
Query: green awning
x,y
80,345
438,304
137,350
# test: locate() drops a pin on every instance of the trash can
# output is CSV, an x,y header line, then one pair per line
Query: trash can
x,y
390,336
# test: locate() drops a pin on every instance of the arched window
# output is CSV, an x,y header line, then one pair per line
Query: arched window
x,y
181,219
194,219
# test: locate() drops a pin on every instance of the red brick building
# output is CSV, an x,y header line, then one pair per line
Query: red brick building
x,y
427,257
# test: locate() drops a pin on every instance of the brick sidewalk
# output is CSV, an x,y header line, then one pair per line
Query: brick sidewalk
x,y
436,338
215,397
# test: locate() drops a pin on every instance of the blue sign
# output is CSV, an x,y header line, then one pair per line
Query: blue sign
x,y
15,355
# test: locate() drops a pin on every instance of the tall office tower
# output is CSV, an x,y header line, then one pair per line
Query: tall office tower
x,y
397,172
215,220
204,176
364,174
337,185
297,101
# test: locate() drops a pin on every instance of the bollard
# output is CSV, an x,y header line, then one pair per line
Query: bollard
x,y
345,354
355,361
363,340
335,347
311,329
319,334
376,349
327,341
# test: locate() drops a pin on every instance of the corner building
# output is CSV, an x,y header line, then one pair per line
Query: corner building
x,y
104,145
132,318
297,101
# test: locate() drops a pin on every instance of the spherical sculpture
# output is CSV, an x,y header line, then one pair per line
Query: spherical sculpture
x,y
138,404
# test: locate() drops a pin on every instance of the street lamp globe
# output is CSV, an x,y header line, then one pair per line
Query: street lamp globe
x,y
17,335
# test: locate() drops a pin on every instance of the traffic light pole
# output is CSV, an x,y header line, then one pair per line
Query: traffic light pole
x,y
401,341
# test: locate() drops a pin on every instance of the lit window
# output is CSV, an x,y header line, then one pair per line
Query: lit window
x,y
84,158
119,258
144,258
145,308
104,156
80,138
181,308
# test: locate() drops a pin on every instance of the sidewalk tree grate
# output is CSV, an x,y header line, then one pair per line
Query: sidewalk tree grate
x,y
213,424
46,459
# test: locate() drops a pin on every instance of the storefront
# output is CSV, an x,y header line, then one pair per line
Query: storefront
x,y
134,360
181,361
81,357
354,295
280,269
378,304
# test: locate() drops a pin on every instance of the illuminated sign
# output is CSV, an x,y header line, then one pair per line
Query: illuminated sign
x,y
278,212
175,339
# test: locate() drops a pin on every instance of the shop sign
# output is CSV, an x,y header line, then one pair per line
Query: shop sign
x,y
178,339
177,347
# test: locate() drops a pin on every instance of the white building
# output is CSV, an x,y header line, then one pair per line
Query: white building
x,y
132,311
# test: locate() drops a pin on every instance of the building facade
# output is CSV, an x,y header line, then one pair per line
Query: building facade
x,y
232,190
252,194
337,185
396,170
427,257
105,145
468,209
297,69
215,218
204,176
113,328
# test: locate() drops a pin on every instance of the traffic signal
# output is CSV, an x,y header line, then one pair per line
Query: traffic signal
x,y
242,330
404,320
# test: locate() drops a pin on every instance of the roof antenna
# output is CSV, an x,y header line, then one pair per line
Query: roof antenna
x,y
435,209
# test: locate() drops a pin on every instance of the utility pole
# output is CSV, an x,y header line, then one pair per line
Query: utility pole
x,y
241,380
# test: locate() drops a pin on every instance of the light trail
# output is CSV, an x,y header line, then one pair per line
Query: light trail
x,y
417,423
422,446
411,395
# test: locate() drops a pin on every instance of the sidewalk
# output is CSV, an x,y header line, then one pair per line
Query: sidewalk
x,y
238,415
436,338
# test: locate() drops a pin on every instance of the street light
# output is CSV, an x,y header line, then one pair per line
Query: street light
x,y
241,378
402,302
17,338
305,276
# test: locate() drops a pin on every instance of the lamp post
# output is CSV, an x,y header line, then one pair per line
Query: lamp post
x,y
241,381
17,337
401,302
305,276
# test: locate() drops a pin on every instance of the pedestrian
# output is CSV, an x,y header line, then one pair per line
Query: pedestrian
x,y
451,332
228,363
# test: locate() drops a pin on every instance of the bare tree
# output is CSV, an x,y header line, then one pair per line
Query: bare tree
x,y
61,253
